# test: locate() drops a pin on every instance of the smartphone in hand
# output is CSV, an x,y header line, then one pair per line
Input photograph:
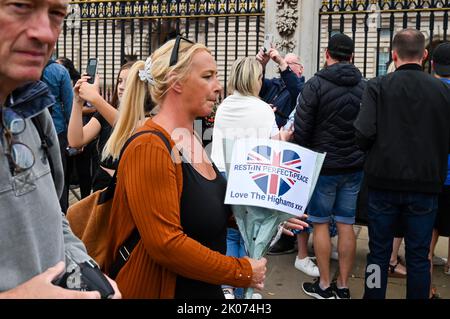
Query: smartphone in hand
x,y
91,69
268,40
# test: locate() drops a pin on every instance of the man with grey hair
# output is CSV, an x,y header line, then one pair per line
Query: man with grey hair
x,y
404,125
282,92
35,237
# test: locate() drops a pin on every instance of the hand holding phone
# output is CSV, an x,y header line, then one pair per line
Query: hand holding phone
x,y
91,69
268,40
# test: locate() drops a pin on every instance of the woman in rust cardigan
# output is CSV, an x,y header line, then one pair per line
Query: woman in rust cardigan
x,y
177,206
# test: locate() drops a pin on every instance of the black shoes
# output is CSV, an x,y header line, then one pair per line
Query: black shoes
x,y
340,293
333,292
313,289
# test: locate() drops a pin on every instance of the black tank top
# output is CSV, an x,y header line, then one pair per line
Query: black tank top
x,y
204,217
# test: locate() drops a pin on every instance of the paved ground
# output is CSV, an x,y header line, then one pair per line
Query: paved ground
x,y
284,281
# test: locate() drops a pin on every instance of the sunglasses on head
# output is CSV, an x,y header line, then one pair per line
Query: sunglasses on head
x,y
20,156
176,49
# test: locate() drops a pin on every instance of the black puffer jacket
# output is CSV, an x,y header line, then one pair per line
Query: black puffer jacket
x,y
326,110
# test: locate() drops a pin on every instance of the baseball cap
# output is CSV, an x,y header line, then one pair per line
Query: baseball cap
x,y
441,59
341,45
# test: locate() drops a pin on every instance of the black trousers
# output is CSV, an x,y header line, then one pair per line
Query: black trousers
x,y
81,166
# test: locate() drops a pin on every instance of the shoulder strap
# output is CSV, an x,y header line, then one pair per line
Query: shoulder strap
x,y
108,193
158,133
46,143
131,242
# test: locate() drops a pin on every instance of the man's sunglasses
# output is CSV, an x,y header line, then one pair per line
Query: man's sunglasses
x,y
176,48
20,156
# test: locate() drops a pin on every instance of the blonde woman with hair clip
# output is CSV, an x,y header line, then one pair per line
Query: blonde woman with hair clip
x,y
177,207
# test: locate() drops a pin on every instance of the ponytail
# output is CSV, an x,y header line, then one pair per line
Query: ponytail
x,y
131,112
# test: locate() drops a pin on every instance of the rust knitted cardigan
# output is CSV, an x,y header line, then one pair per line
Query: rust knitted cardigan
x,y
147,196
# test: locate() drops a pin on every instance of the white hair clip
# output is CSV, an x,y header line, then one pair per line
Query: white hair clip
x,y
145,74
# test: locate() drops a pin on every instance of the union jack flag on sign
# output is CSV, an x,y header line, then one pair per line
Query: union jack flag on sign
x,y
272,162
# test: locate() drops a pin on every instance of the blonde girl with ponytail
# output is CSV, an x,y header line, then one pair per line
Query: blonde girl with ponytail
x,y
101,123
131,112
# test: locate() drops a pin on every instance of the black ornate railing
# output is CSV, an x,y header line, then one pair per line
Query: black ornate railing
x,y
123,9
117,31
373,23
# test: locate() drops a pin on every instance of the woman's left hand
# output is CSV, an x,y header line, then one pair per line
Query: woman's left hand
x,y
295,223
117,294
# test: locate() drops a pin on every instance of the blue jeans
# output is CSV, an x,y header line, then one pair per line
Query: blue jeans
x,y
418,212
235,248
337,195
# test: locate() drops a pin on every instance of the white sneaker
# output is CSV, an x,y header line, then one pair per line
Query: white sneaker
x,y
334,255
256,296
439,261
228,293
307,266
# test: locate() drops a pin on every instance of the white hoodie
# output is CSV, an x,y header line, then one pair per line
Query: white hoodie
x,y
240,116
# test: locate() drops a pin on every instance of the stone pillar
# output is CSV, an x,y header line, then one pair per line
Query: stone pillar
x,y
282,20
294,24
308,36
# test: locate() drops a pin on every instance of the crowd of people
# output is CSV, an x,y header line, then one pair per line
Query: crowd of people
x,y
388,137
